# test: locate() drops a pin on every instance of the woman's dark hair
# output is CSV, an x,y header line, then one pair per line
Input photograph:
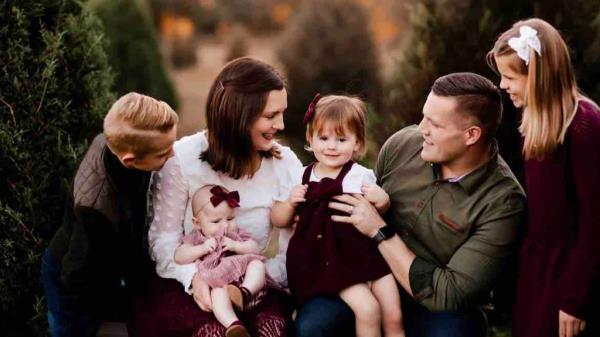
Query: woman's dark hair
x,y
235,101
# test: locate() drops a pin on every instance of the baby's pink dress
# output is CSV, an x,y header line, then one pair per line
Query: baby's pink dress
x,y
221,268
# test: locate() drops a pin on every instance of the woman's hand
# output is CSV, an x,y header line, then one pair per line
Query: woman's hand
x,y
569,326
201,292
362,214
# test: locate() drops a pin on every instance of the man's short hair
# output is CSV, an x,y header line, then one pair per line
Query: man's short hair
x,y
133,121
477,98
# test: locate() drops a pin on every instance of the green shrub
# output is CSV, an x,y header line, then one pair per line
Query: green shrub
x,y
327,48
133,49
54,90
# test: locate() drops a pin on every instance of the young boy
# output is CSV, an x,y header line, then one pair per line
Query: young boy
x,y
97,258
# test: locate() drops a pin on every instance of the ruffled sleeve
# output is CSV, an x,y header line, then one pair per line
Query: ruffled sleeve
x,y
169,201
289,173
357,177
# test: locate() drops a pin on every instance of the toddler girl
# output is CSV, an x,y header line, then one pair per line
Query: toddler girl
x,y
325,257
226,257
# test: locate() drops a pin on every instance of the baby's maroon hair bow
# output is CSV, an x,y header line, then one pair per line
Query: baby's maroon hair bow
x,y
219,195
310,112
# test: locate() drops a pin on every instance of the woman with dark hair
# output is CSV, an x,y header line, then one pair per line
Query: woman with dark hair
x,y
238,150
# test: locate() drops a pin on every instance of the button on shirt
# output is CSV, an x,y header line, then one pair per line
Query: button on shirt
x,y
461,230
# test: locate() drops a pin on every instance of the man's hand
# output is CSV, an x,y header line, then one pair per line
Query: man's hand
x,y
297,195
377,196
569,326
229,245
201,292
362,214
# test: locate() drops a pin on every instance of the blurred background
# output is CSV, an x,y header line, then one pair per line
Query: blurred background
x,y
64,62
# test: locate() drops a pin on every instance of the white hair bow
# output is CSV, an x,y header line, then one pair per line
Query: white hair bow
x,y
523,43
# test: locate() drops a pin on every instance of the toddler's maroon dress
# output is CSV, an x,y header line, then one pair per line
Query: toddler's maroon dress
x,y
323,256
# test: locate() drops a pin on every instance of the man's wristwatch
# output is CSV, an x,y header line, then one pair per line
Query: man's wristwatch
x,y
383,234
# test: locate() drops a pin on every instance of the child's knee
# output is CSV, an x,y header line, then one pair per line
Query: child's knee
x,y
368,310
392,315
218,293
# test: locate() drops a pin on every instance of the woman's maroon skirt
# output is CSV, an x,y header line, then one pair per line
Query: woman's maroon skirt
x,y
165,310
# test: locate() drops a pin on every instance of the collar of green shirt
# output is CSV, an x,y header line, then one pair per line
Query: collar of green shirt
x,y
471,181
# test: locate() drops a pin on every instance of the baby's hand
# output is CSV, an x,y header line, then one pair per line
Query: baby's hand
x,y
229,245
297,195
210,245
377,196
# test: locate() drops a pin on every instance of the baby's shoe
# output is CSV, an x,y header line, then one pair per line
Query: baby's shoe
x,y
236,329
239,296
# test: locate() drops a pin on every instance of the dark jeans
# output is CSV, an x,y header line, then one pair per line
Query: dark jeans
x,y
66,316
325,317
331,317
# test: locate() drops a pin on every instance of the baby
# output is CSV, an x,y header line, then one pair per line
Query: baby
x,y
226,257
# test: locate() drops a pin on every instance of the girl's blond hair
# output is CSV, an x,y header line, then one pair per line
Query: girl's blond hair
x,y
346,113
551,92
133,121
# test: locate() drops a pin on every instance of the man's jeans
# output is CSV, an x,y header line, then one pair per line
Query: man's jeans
x,y
66,316
331,317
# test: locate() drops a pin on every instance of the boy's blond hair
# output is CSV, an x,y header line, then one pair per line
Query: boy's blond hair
x,y
133,121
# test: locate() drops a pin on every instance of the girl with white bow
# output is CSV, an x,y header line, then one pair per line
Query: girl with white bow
x,y
559,274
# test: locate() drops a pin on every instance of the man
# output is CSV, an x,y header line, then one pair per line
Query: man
x,y
97,259
456,209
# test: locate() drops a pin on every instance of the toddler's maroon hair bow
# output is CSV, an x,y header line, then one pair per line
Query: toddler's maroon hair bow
x,y
218,195
310,112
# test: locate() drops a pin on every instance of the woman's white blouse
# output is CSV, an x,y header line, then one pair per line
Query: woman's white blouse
x,y
184,173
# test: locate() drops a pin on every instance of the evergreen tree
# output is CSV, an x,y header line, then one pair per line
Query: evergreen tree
x,y
328,48
133,49
54,90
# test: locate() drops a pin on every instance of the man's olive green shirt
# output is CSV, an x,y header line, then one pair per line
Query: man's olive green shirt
x,y
462,232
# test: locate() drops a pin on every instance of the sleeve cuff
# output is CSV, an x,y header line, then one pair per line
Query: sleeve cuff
x,y
420,276
187,274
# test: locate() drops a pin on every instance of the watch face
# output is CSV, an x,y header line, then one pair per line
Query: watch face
x,y
388,231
